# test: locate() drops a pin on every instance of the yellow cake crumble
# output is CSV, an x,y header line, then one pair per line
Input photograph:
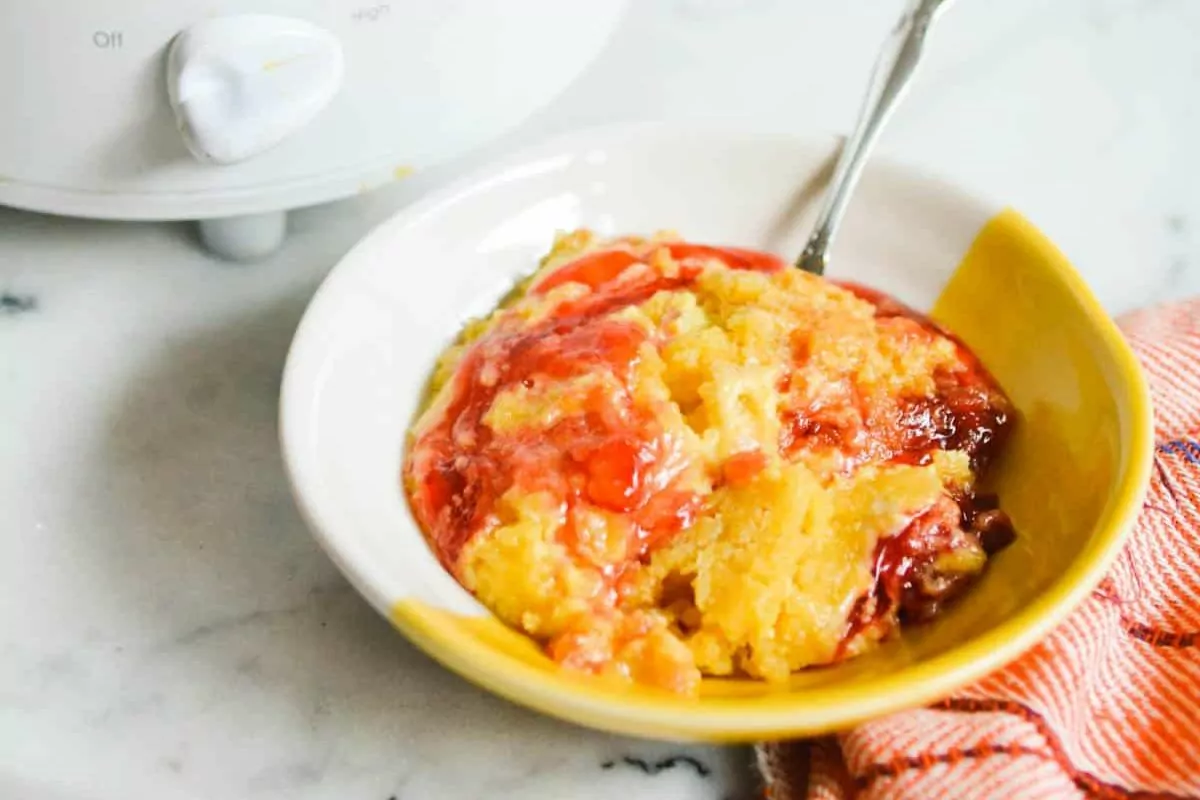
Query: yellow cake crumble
x,y
667,461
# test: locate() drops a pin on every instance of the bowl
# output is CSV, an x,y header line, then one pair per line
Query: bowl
x,y
1072,478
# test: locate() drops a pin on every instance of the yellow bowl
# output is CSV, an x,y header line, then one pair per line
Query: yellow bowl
x,y
1072,479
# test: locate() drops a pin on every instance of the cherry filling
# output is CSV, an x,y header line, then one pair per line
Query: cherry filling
x,y
616,457
909,583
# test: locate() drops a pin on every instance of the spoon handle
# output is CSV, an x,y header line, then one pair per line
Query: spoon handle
x,y
893,72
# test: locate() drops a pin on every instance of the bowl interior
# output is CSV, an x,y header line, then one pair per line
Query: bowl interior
x,y
1071,479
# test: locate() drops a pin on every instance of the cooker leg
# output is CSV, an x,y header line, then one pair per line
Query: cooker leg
x,y
245,238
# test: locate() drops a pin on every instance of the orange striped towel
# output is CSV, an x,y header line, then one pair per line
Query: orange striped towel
x,y
1108,705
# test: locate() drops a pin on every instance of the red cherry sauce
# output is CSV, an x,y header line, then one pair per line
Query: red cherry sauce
x,y
615,456
967,412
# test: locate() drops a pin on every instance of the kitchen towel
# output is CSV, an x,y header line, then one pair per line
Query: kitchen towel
x,y
1107,706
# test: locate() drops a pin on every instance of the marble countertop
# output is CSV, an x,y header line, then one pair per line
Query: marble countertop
x,y
169,629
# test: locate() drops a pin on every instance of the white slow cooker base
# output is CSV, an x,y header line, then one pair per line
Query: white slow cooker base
x,y
418,84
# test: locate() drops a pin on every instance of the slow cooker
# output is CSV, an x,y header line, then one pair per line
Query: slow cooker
x,y
230,113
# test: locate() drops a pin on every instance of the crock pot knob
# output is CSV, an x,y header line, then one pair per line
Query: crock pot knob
x,y
240,84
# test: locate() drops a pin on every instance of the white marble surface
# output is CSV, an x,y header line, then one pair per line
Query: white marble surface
x,y
168,629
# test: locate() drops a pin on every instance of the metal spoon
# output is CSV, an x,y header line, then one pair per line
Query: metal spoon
x,y
890,79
